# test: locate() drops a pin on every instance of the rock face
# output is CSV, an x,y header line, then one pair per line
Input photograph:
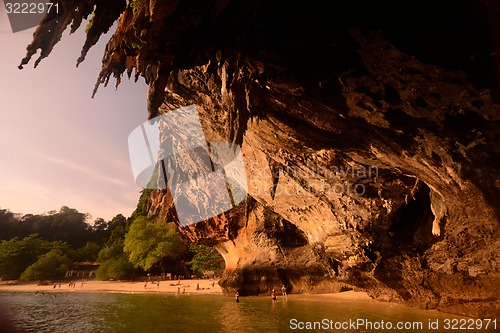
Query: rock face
x,y
370,139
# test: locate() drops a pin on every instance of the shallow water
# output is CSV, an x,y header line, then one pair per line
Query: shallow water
x,y
119,312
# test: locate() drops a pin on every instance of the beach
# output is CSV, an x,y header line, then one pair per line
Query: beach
x,y
128,307
123,306
206,286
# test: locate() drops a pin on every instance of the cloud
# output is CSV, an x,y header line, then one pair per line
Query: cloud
x,y
82,169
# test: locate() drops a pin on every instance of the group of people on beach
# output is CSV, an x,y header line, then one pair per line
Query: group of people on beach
x,y
274,296
72,284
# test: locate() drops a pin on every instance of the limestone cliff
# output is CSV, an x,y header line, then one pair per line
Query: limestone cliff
x,y
370,138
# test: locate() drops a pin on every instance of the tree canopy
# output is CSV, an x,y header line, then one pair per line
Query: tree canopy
x,y
17,254
42,246
51,265
205,259
26,240
153,242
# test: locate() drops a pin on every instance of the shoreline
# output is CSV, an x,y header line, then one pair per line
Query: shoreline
x,y
206,286
186,287
171,288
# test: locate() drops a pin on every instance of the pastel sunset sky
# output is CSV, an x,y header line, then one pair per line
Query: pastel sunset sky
x,y
58,146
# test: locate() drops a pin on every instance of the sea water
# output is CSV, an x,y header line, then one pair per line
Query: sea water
x,y
124,312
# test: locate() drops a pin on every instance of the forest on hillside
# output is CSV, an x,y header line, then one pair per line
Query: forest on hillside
x,y
43,246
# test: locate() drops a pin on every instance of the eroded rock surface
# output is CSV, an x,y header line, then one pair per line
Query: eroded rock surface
x,y
370,139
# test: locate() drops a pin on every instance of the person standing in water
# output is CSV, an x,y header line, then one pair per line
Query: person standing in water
x,y
273,295
283,291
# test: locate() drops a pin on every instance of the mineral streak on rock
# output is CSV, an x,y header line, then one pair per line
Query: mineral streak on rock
x,y
370,139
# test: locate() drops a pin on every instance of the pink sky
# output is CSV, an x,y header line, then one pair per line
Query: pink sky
x,y
58,146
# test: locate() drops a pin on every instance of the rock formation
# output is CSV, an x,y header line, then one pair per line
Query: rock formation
x,y
370,135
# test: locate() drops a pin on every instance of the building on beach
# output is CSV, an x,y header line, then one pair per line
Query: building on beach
x,y
83,269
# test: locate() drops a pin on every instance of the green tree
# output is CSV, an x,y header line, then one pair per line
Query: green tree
x,y
52,265
10,225
116,268
141,209
88,252
110,251
67,225
117,221
17,254
205,258
153,242
114,262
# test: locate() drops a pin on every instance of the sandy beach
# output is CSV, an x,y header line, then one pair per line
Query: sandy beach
x,y
185,286
206,286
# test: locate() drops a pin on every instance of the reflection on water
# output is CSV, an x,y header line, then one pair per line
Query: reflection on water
x,y
117,312
255,314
